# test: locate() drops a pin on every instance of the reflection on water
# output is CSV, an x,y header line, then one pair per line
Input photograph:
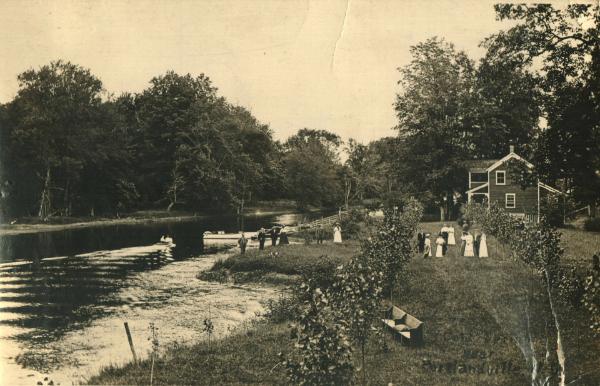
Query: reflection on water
x,y
51,297
187,235
63,316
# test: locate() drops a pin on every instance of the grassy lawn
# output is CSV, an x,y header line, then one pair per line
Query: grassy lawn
x,y
482,316
281,264
580,246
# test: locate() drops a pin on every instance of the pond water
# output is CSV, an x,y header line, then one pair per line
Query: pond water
x,y
64,295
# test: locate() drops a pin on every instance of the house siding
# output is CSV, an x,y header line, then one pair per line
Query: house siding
x,y
526,199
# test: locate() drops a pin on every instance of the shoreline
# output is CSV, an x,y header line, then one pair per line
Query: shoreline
x,y
234,309
17,229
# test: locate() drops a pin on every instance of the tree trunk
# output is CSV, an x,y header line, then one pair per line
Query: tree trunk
x,y
348,191
442,213
593,209
45,199
364,368
559,345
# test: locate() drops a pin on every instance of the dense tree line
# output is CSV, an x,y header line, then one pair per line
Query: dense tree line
x,y
451,109
68,148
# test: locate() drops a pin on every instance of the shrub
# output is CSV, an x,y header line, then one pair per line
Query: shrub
x,y
351,224
323,354
283,309
356,295
222,264
390,248
551,208
321,273
592,224
219,275
570,285
591,297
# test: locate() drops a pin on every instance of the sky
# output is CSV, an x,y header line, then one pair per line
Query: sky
x,y
299,63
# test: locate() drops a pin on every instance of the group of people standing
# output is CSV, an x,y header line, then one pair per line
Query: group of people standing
x,y
279,232
473,246
274,233
470,245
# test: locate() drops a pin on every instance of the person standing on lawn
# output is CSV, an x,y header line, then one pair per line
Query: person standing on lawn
x,y
429,242
426,246
337,234
262,237
283,238
420,242
468,239
319,236
274,234
483,249
445,234
451,239
242,242
440,242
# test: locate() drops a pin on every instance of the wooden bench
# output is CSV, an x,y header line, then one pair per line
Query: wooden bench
x,y
405,327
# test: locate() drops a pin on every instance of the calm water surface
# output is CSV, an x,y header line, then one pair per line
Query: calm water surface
x,y
64,295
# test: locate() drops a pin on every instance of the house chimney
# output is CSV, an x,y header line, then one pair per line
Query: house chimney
x,y
512,148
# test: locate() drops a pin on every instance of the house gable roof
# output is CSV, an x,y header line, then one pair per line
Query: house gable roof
x,y
509,156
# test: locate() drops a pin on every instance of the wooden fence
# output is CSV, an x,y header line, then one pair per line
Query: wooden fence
x,y
325,221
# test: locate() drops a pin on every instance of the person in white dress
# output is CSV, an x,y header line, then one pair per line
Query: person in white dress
x,y
483,250
337,234
439,251
468,239
451,239
427,248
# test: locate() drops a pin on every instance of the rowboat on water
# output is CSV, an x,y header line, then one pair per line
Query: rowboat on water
x,y
166,240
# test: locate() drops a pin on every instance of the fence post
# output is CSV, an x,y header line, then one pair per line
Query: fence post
x,y
130,341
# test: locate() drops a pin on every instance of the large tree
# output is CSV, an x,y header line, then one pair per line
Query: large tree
x,y
167,111
506,107
311,164
56,108
564,43
433,122
366,171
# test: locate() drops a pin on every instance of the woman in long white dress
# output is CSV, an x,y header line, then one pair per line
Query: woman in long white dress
x,y
468,239
451,239
337,234
439,252
483,250
426,246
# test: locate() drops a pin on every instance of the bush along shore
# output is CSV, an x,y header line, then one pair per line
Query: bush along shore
x,y
487,321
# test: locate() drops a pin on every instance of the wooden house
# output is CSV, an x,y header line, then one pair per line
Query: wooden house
x,y
493,181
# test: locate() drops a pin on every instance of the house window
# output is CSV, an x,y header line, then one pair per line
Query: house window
x,y
500,177
510,200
